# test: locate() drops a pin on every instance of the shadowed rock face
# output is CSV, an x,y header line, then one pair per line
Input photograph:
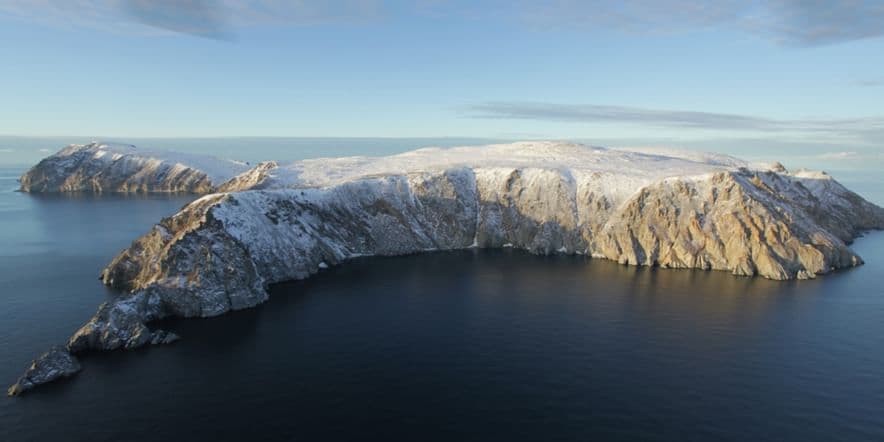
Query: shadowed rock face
x,y
736,221
101,168
54,364
222,251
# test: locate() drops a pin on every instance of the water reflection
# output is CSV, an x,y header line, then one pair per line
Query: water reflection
x,y
501,344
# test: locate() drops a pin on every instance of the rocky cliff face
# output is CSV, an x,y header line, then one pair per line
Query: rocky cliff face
x,y
101,167
222,251
56,363
731,221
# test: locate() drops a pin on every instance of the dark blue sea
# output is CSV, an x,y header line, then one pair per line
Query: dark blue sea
x,y
472,345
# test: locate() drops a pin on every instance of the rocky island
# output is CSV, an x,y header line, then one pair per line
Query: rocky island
x,y
113,167
272,223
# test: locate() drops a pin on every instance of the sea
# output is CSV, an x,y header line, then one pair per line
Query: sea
x,y
451,346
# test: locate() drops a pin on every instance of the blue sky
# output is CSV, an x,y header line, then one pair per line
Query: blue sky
x,y
668,72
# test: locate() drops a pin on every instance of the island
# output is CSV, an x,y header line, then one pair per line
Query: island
x,y
256,226
124,168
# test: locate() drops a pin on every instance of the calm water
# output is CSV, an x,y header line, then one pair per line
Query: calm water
x,y
448,346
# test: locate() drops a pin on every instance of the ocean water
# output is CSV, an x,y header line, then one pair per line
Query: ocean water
x,y
473,345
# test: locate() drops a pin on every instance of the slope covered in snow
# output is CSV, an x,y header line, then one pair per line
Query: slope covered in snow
x,y
625,169
105,167
276,223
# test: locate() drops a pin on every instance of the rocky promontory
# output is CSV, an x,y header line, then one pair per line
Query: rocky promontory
x,y
56,363
123,168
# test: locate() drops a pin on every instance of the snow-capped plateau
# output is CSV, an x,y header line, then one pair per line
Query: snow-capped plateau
x,y
274,223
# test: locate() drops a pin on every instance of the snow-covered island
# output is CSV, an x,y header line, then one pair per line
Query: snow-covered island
x,y
273,223
112,167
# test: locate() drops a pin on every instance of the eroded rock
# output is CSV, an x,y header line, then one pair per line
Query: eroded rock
x,y
122,168
163,337
54,364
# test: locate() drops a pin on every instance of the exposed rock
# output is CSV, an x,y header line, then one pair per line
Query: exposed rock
x,y
730,222
778,167
118,324
222,251
163,337
254,178
102,167
54,364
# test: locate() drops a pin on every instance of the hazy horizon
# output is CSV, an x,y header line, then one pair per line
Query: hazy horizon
x,y
858,169
741,77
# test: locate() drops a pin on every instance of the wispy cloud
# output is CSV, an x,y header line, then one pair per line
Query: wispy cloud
x,y
847,155
795,22
196,17
7,150
216,19
871,82
816,22
791,22
861,128
676,118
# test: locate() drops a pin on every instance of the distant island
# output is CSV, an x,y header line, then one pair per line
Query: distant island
x,y
268,223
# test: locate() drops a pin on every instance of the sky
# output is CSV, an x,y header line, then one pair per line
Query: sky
x,y
751,74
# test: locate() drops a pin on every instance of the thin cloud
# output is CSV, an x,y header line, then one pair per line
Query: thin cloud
x,y
7,150
587,113
791,22
871,82
868,129
195,17
590,113
824,22
214,19
848,155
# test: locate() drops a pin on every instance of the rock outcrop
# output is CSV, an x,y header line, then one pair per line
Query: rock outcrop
x,y
122,168
221,252
116,325
54,364
163,337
